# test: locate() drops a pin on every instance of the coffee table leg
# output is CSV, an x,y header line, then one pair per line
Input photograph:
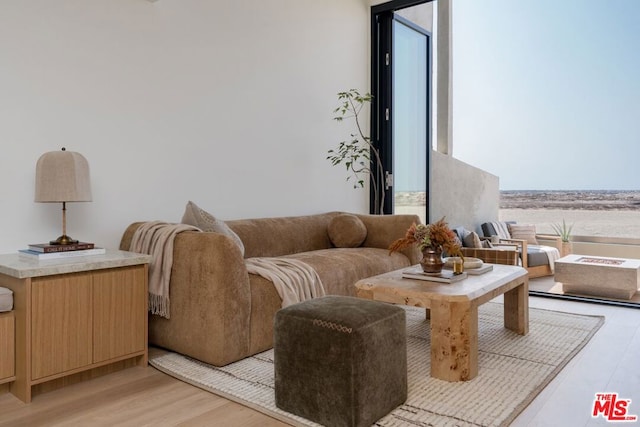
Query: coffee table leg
x,y
454,341
516,308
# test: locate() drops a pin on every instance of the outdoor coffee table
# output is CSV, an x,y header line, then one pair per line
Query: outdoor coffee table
x,y
453,309
598,276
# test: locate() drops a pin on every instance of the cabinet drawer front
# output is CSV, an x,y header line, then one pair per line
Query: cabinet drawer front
x,y
120,310
61,324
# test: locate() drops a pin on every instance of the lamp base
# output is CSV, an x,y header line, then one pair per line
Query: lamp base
x,y
63,240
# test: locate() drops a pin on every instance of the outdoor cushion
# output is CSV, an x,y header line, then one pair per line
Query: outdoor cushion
x,y
523,232
472,240
489,229
536,256
461,233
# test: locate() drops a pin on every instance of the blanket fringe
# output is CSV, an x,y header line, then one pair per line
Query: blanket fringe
x,y
159,305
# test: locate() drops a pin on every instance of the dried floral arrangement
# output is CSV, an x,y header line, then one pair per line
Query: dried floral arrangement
x,y
437,235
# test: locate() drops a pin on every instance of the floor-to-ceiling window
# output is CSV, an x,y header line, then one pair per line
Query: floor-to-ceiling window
x,y
401,108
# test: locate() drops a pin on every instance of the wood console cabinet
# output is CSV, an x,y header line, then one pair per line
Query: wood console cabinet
x,y
7,353
75,314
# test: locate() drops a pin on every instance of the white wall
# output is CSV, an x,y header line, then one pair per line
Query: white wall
x,y
227,103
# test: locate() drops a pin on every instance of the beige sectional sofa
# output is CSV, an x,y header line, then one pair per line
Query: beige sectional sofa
x,y
220,313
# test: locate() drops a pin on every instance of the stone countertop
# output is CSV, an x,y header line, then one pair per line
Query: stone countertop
x,y
22,266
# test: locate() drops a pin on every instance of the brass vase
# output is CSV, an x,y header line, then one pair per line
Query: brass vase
x,y
431,261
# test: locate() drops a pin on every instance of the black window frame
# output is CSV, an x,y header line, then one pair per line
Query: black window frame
x,y
382,91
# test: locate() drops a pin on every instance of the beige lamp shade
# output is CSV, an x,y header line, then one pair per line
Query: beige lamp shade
x,y
62,176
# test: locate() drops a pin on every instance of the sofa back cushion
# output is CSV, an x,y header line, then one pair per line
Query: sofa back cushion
x,y
270,237
524,232
498,228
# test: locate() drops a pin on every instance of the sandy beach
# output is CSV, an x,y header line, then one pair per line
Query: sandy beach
x,y
607,223
607,213
602,213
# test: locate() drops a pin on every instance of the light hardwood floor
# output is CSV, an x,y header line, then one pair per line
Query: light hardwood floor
x,y
132,397
144,396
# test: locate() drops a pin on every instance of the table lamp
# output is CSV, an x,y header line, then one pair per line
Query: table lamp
x,y
61,177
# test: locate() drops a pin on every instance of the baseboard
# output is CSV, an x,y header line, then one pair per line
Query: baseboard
x,y
83,376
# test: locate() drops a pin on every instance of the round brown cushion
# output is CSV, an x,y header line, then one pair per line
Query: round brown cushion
x,y
347,231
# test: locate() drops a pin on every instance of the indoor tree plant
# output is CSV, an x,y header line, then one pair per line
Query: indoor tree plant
x,y
358,154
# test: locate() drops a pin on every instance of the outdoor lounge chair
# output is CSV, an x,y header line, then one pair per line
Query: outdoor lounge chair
x,y
476,247
537,259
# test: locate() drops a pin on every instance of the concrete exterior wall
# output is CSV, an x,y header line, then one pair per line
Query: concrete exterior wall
x,y
465,195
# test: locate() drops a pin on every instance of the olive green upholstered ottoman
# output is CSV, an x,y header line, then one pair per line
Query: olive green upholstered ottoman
x,y
340,361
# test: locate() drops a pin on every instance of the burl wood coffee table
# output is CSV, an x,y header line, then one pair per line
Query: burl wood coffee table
x,y
453,309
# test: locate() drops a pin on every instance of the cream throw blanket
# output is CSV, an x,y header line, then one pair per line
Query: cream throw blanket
x,y
156,239
295,281
552,254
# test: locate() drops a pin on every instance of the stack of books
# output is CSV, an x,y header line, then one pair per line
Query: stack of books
x,y
48,251
443,277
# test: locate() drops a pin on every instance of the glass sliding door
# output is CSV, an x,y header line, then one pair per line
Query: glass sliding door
x,y
410,117
401,106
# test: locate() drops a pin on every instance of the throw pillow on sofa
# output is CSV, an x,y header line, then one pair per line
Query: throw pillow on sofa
x,y
523,232
346,231
472,240
198,217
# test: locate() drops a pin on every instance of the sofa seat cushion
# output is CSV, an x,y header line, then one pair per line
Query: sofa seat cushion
x,y
536,256
340,268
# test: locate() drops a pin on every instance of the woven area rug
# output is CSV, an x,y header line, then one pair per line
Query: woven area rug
x,y
513,369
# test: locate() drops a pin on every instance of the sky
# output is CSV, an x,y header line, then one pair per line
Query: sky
x,y
546,93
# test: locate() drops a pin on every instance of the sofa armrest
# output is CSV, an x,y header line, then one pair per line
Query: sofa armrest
x,y
522,248
210,299
382,230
